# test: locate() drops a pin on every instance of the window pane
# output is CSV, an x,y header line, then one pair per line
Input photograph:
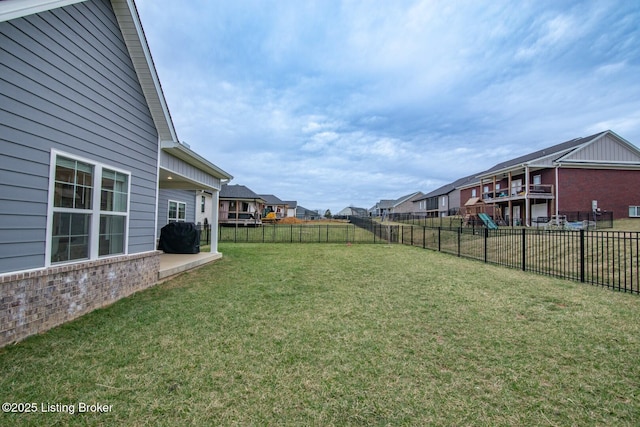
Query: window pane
x,y
70,237
173,211
111,238
114,192
74,184
182,208
64,195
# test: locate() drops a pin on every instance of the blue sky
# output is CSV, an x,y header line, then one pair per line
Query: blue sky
x,y
344,103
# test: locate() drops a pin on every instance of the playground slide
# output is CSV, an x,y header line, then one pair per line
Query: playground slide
x,y
488,222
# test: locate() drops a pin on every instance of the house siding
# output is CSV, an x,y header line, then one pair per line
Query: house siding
x,y
615,190
186,196
184,169
607,148
68,83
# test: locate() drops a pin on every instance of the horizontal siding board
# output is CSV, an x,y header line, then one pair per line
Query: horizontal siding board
x,y
23,207
24,261
21,236
67,83
26,222
23,191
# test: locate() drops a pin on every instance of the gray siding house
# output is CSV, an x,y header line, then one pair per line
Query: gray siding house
x,y
89,158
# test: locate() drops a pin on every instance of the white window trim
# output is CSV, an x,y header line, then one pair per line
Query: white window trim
x,y
637,209
94,228
178,203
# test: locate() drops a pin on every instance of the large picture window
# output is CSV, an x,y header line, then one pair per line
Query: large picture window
x,y
89,209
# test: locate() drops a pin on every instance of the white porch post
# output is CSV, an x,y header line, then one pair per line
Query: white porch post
x,y
215,211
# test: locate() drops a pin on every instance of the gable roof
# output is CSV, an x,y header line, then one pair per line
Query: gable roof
x,y
291,203
270,199
568,152
448,188
405,198
238,192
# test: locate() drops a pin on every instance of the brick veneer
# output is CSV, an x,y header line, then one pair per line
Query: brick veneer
x,y
615,190
35,301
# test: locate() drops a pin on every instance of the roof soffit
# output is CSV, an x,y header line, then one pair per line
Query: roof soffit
x,y
13,9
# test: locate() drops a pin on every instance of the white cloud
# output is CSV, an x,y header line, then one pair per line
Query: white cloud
x,y
350,102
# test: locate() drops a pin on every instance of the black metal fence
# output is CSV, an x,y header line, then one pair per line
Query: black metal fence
x,y
604,258
205,234
306,233
601,220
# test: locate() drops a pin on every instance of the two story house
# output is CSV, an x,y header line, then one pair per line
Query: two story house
x,y
590,174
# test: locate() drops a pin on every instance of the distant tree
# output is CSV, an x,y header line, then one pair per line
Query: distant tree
x,y
327,213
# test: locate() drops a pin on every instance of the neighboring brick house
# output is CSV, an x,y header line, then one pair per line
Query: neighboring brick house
x,y
90,163
239,205
597,173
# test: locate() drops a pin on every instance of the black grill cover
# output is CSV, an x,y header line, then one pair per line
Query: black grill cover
x,y
180,238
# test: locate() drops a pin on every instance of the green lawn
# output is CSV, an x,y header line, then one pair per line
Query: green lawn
x,y
336,334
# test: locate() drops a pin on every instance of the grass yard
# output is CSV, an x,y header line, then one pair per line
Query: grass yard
x,y
336,334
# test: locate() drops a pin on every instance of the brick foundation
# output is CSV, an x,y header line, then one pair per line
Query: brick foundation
x,y
35,301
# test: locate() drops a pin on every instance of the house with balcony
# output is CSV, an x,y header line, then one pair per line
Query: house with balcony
x,y
590,174
240,206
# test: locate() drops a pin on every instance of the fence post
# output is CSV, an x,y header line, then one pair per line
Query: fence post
x,y
291,240
459,239
582,256
486,242
424,237
524,249
439,239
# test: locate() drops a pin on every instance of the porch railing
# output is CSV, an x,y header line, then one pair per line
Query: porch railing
x,y
535,191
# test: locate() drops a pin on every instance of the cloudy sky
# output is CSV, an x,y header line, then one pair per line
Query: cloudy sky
x,y
343,103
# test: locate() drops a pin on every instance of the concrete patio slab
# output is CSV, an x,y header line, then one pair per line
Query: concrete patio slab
x,y
172,264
